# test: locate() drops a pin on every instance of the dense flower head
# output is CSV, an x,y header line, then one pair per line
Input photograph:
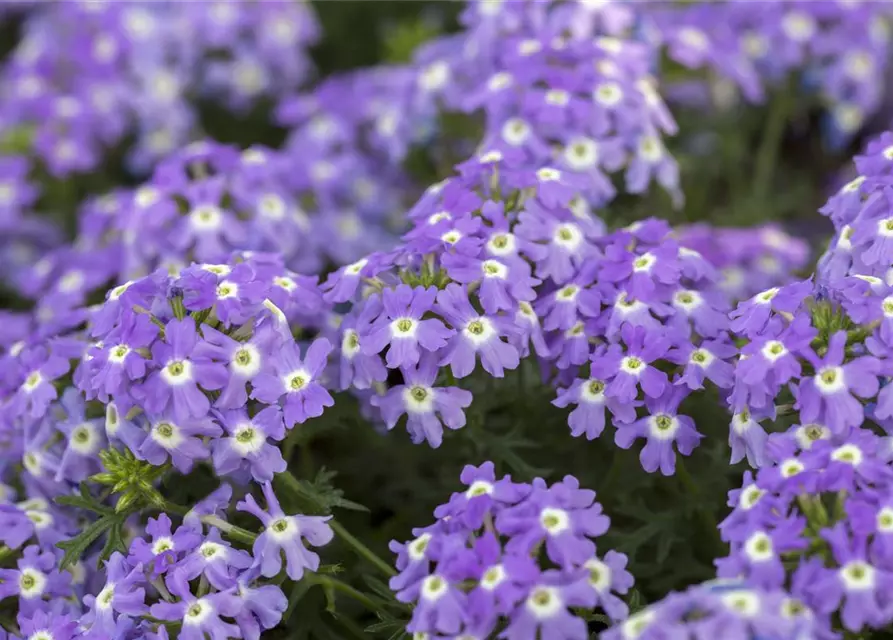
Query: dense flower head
x,y
819,353
750,260
862,214
733,608
836,50
815,521
559,90
516,556
502,263
139,65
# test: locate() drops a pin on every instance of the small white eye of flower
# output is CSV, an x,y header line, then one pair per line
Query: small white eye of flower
x,y
750,496
568,236
849,454
418,399
745,603
479,488
434,76
418,547
581,153
434,587
798,26
500,81
758,547
515,131
31,583
830,380
479,331
492,577
651,149
608,94
663,426
206,218
544,602
555,521
858,576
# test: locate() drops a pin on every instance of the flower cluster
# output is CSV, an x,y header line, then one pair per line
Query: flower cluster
x,y
862,214
749,259
520,558
837,51
817,521
557,91
733,608
140,67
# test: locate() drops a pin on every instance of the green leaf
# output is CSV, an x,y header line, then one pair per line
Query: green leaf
x,y
114,542
75,547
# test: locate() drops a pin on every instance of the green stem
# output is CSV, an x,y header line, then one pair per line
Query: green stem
x,y
346,589
770,145
361,549
231,531
5,552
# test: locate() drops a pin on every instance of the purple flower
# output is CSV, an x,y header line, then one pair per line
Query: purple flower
x,y
261,606
752,317
661,429
483,495
178,374
295,382
563,515
36,391
200,617
215,560
166,548
182,441
861,587
625,371
285,534
123,593
747,438
588,418
475,334
705,361
401,326
427,408
34,580
830,396
247,446
545,611
244,360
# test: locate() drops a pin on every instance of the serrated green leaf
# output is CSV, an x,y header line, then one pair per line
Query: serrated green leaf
x,y
75,547
79,502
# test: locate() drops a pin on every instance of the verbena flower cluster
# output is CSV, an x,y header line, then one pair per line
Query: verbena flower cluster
x,y
837,50
515,558
140,67
731,608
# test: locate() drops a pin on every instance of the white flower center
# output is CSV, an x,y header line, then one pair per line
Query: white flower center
x,y
858,576
581,154
479,331
167,434
544,602
418,399
479,488
758,547
177,372
434,587
492,577
206,218
555,521
31,583
848,453
830,380
599,574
